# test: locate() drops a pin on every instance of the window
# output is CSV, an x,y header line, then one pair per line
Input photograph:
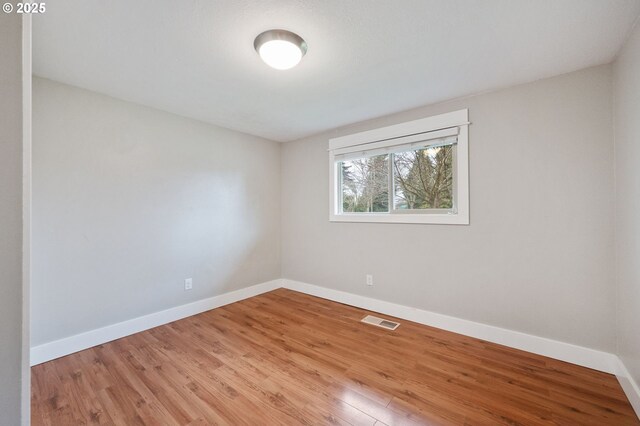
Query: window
x,y
365,184
415,172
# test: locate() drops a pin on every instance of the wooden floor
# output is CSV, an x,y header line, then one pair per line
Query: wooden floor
x,y
288,358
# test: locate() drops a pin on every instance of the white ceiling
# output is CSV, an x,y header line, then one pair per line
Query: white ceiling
x,y
366,58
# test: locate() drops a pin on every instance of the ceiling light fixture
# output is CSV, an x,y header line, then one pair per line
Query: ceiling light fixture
x,y
280,49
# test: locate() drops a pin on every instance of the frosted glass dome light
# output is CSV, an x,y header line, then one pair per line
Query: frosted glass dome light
x,y
280,49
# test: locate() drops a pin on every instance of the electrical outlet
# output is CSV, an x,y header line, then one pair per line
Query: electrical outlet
x,y
369,280
188,284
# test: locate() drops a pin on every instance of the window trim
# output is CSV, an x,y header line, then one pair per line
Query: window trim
x,y
429,127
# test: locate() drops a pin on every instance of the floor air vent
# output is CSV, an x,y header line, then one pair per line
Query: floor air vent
x,y
379,322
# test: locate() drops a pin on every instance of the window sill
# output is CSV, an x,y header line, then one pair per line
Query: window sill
x,y
447,219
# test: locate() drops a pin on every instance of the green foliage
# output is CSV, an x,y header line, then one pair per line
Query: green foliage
x,y
423,179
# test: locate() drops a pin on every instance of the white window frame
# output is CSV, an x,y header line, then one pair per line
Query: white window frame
x,y
401,134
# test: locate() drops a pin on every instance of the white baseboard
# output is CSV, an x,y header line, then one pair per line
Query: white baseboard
x,y
629,385
586,357
78,342
591,358
579,355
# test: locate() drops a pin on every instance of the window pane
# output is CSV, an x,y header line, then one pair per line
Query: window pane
x,y
365,184
423,179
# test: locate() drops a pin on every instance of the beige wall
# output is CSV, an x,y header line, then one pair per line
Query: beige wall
x,y
10,218
129,201
538,254
627,206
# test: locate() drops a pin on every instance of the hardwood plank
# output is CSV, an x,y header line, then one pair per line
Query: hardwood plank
x,y
288,358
